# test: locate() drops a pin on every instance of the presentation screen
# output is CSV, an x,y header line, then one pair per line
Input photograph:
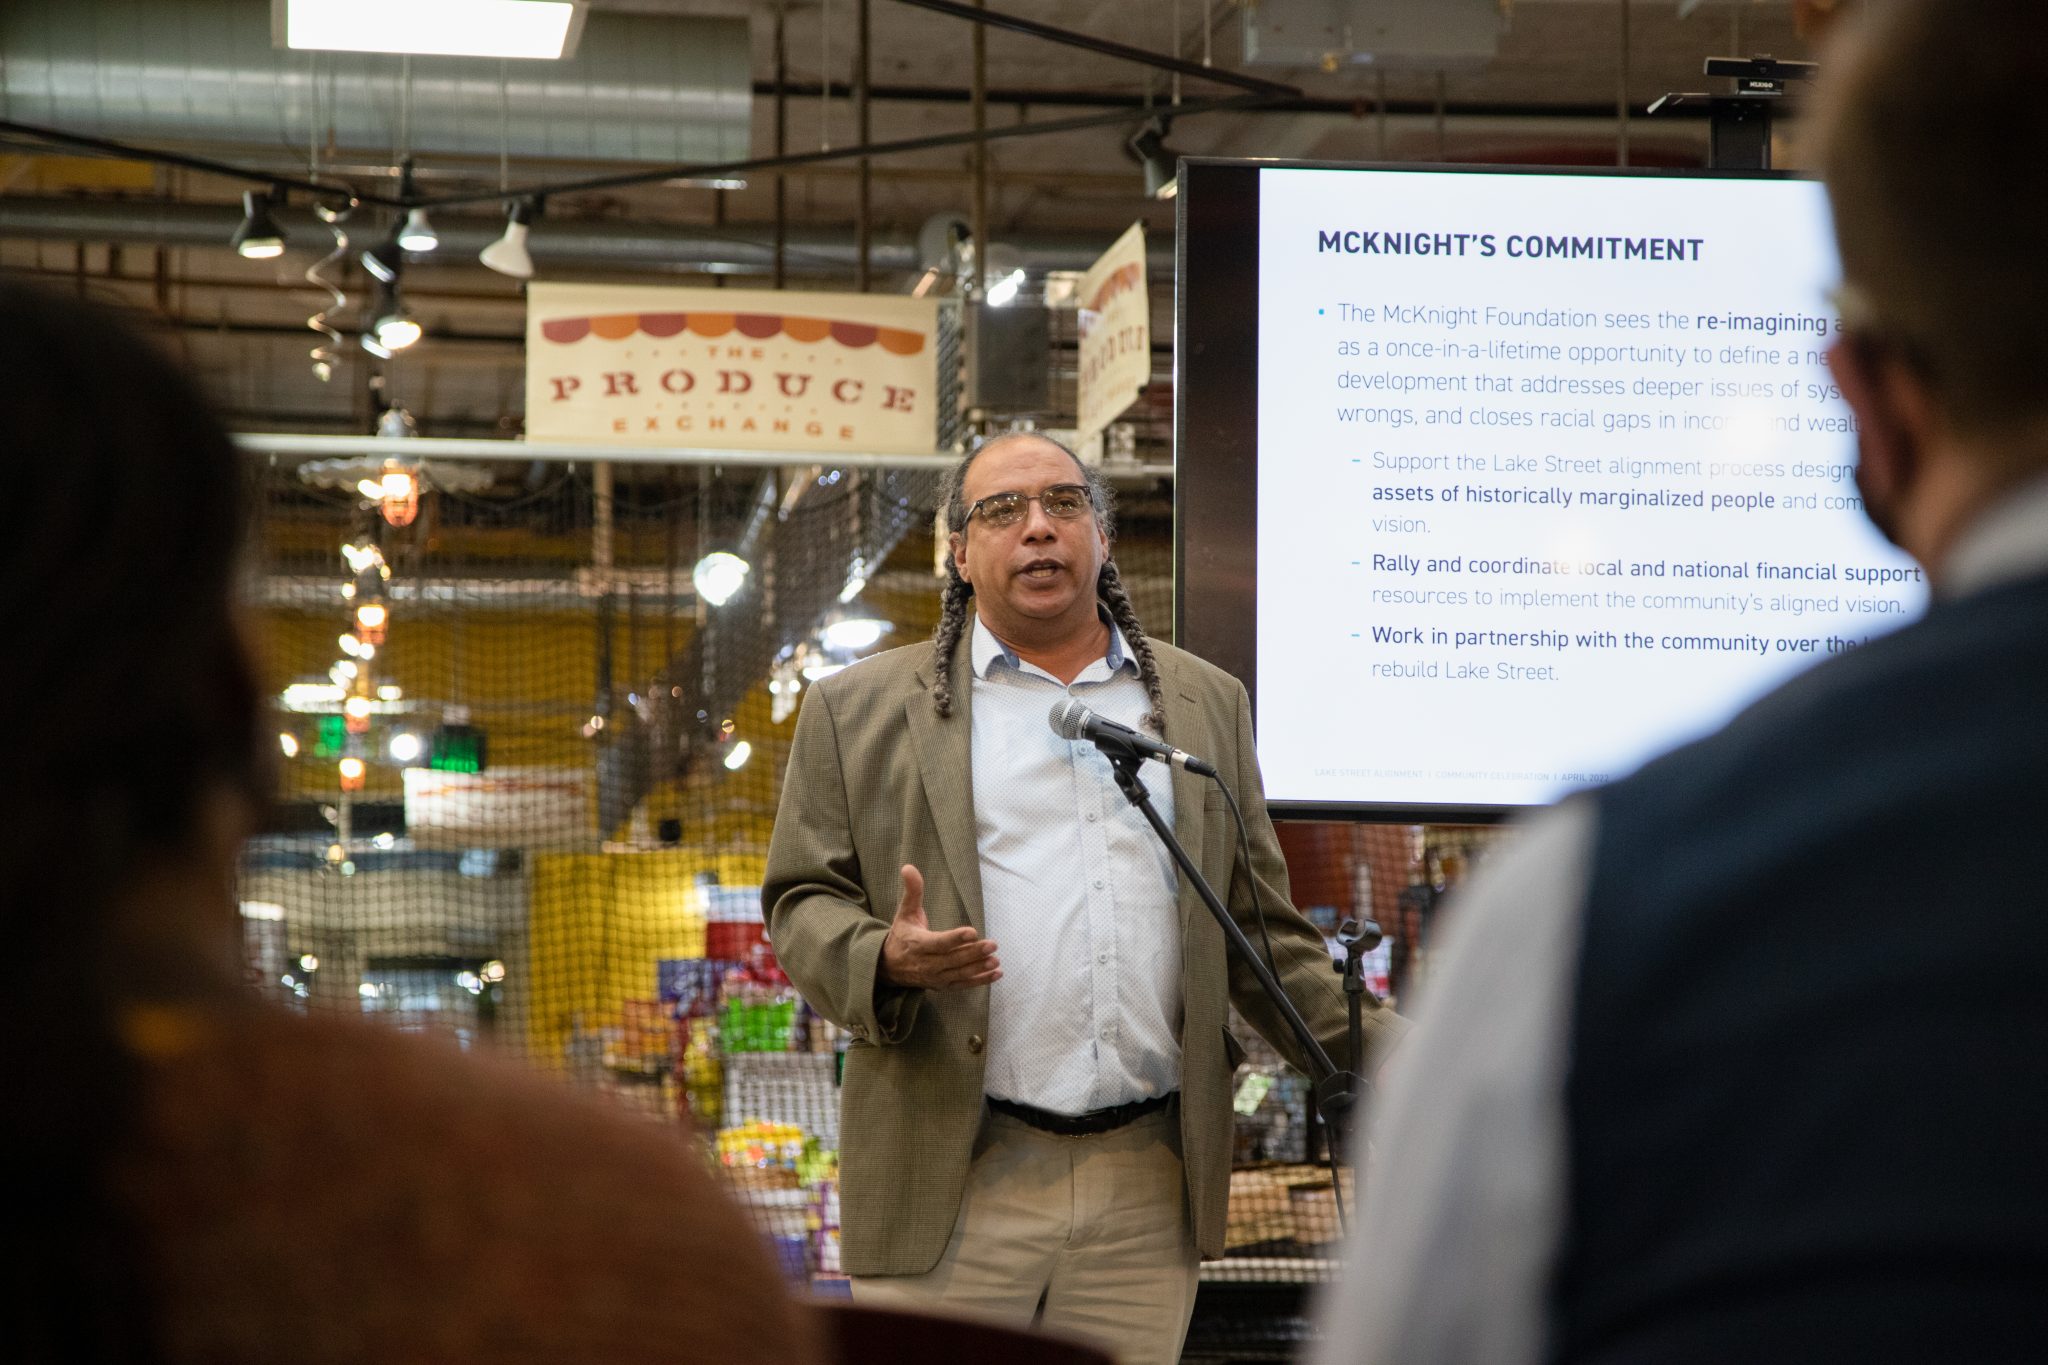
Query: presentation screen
x,y
1493,485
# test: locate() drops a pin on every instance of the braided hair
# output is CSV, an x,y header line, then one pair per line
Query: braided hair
x,y
1109,584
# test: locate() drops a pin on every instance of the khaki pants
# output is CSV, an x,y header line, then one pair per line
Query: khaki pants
x,y
1086,1236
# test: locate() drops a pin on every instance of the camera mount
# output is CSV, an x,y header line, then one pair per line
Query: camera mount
x,y
1739,123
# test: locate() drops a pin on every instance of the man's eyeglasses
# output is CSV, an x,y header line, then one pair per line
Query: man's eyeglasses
x,y
1062,502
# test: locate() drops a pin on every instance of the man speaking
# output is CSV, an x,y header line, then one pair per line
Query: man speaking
x,y
1036,1121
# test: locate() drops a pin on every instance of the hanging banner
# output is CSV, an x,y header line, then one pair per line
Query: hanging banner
x,y
731,369
504,807
1116,333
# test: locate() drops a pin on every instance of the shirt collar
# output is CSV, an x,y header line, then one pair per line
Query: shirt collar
x,y
2008,542
985,650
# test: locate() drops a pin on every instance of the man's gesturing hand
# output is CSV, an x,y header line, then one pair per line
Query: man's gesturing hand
x,y
912,955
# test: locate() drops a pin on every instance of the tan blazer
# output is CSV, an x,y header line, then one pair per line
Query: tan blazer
x,y
877,779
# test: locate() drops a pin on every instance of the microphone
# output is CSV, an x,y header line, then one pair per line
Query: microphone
x,y
1071,719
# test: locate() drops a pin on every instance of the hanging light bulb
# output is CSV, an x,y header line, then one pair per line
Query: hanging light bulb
x,y
856,579
371,619
508,255
719,575
851,634
361,555
1005,275
396,328
396,491
288,743
418,233
259,237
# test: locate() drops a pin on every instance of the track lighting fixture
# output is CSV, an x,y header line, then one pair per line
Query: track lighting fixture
x,y
1148,148
508,255
384,260
417,232
397,328
392,325
259,237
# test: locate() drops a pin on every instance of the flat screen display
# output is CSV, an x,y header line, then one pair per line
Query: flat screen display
x,y
1494,485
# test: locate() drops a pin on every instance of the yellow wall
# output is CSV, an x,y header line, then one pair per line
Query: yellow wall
x,y
599,922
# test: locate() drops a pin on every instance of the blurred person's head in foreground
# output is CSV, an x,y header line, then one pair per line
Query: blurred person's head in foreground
x,y
205,1177
1931,125
129,761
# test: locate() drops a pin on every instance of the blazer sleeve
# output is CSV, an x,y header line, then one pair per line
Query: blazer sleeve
x,y
826,931
1301,959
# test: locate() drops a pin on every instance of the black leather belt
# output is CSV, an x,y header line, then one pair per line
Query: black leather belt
x,y
1081,1125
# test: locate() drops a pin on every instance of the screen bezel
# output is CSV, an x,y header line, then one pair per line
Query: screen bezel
x,y
1216,423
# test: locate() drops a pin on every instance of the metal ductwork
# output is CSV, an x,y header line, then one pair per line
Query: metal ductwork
x,y
566,242
641,88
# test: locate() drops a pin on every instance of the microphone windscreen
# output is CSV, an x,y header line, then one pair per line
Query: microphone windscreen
x,y
1069,718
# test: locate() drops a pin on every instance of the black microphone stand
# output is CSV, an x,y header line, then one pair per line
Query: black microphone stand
x,y
1337,1092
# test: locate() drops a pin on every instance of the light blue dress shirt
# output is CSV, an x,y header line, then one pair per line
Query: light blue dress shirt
x,y
1077,892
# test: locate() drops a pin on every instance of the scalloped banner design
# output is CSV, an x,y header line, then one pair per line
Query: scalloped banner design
x,y
756,326
1121,280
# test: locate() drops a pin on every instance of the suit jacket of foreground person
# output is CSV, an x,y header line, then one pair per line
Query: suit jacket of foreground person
x,y
877,779
202,1176
1745,1058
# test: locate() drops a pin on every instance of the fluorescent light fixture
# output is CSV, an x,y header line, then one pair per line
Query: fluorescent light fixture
x,y
263,910
736,757
707,182
533,29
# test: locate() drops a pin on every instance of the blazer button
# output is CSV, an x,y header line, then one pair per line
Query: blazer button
x,y
974,1043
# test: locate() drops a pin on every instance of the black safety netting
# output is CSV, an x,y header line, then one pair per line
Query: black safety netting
x,y
529,768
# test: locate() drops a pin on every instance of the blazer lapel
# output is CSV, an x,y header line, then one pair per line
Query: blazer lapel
x,y
945,749
1186,727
